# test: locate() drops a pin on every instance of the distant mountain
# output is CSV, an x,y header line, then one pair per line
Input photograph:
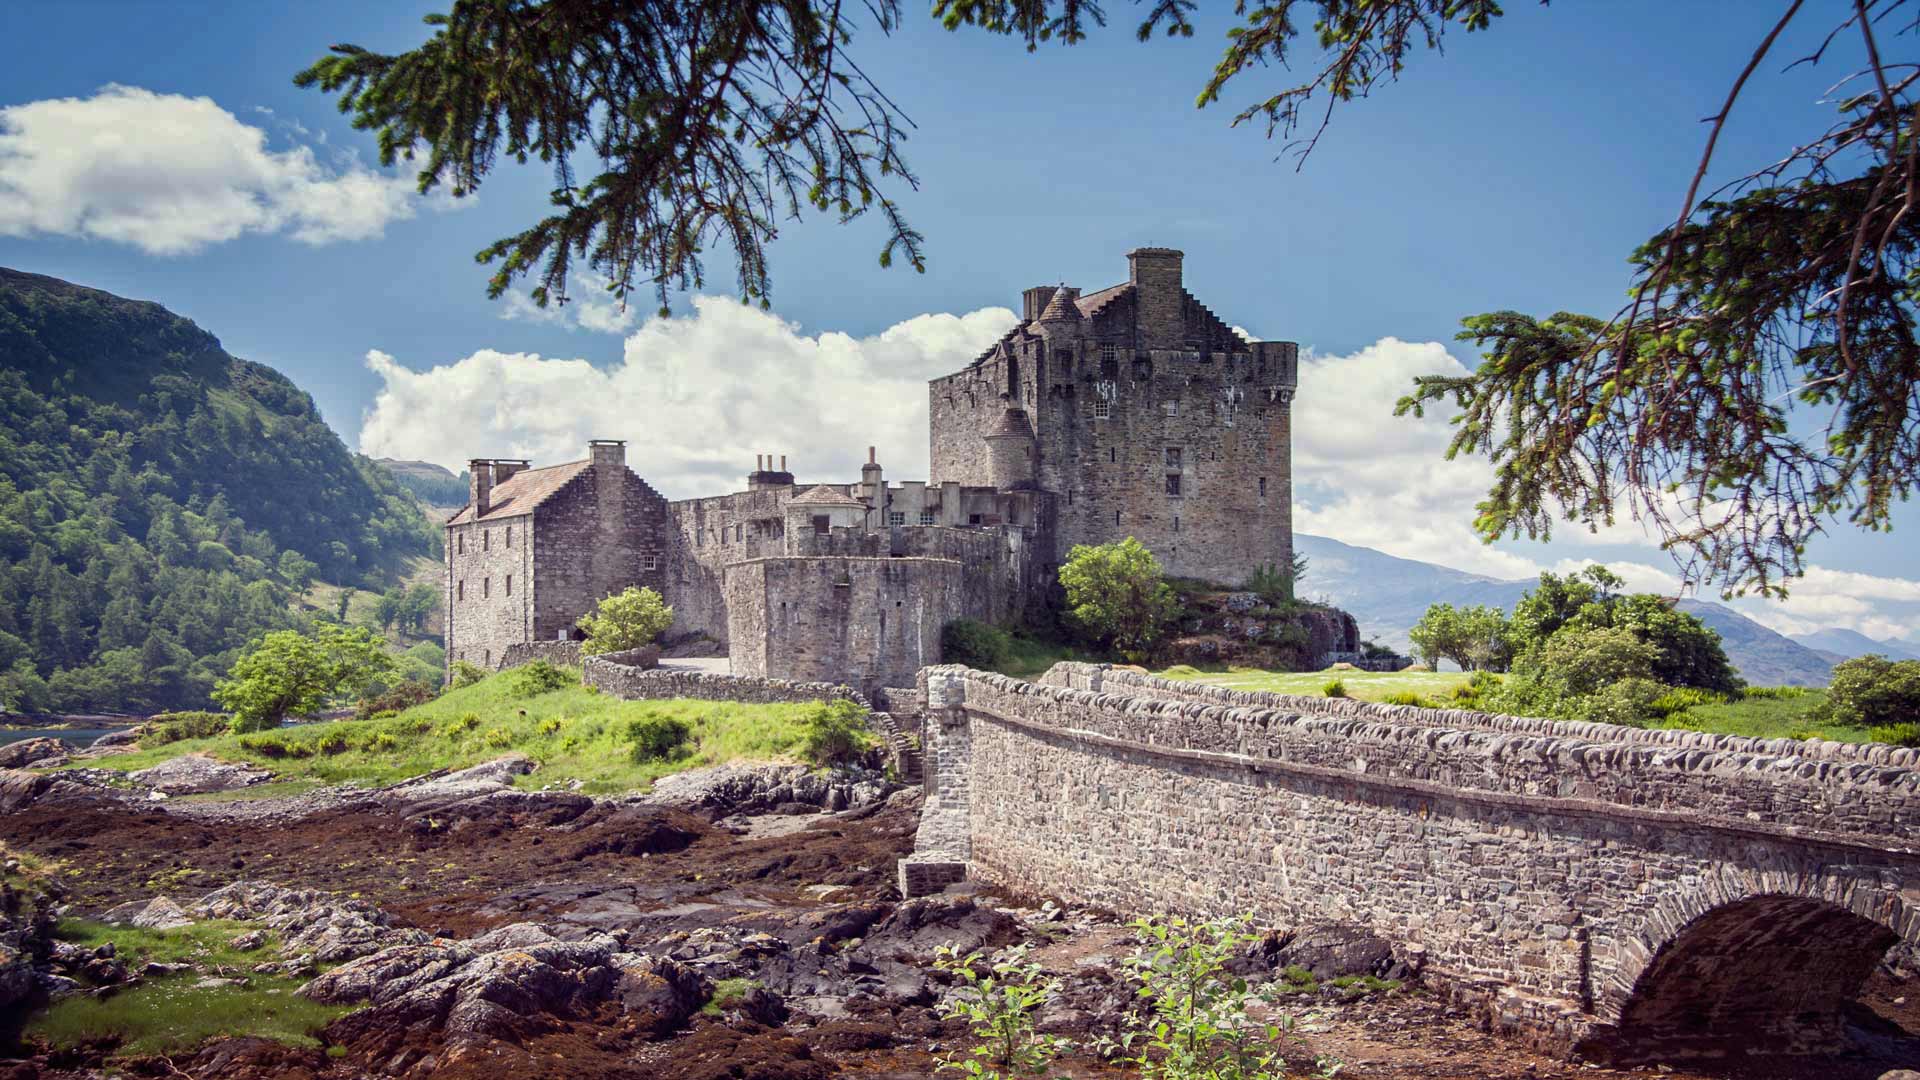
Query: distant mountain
x,y
432,484
1387,595
1848,644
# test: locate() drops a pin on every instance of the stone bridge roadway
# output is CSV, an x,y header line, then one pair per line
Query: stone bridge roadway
x,y
1607,891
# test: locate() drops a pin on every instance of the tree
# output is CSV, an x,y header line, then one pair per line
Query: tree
x,y
1116,595
1476,638
1579,661
288,673
625,620
1871,690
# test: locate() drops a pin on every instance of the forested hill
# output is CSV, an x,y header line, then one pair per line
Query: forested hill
x,y
161,501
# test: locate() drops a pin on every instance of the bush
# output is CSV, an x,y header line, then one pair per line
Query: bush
x,y
1907,734
399,699
975,644
381,742
1628,702
625,620
1405,697
1872,691
657,737
538,677
175,726
1336,688
1772,693
1679,699
465,674
836,733
1000,1004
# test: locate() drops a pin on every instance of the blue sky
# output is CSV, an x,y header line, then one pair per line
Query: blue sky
x,y
1516,171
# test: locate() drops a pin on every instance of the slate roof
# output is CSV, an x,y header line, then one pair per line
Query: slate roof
x,y
523,491
1062,306
1012,422
822,495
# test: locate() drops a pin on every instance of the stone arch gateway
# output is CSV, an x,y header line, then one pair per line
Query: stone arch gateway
x,y
1610,895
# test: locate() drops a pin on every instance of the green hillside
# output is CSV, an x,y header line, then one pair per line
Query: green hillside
x,y
162,502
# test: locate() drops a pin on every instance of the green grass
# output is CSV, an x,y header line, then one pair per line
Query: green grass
x,y
1360,685
1767,718
574,733
170,1014
725,993
1030,657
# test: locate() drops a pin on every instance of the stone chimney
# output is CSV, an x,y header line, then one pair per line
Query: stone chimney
x,y
610,480
1155,276
765,476
1034,301
480,485
505,467
873,491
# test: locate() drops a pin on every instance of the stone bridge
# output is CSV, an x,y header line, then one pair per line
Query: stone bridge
x,y
1605,891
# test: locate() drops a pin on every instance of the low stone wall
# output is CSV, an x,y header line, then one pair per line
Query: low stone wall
x,y
1109,679
1559,879
561,653
612,676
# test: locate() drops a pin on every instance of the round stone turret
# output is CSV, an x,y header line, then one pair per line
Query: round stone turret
x,y
1010,451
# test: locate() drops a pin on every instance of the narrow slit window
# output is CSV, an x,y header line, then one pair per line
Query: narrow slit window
x,y
509,584
486,588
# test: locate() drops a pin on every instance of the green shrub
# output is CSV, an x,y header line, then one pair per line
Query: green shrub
x,y
497,738
550,725
1872,691
975,644
381,742
538,677
625,620
1405,697
1906,734
657,737
1000,1004
465,674
1773,693
1336,688
175,726
399,699
836,733
1627,702
727,992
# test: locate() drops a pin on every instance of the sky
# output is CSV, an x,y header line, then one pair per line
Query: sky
x,y
162,152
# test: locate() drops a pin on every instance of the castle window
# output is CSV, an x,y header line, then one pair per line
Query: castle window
x,y
1173,457
1113,455
486,657
822,523
1109,353
896,517
1176,523
460,589
509,536
509,584
1116,517
486,588
650,562
926,517
973,519
486,539
1173,483
1171,408
463,543
1263,487
1102,410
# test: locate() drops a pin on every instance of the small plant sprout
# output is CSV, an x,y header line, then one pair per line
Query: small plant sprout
x,y
999,1002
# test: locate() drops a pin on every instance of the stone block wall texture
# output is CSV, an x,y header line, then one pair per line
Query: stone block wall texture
x,y
589,544
868,621
1573,884
1140,684
489,585
562,653
709,533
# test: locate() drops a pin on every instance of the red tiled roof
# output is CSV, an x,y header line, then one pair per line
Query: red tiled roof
x,y
523,491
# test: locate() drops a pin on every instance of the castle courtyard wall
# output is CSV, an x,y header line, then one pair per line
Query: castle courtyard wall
x,y
867,622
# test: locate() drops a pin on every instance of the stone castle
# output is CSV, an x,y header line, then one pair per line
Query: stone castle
x,y
1130,411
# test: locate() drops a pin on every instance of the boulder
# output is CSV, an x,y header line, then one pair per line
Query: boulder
x,y
191,774
309,921
42,752
125,738
158,913
19,789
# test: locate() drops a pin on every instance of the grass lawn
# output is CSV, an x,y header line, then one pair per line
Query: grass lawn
x,y
1769,714
173,1013
574,732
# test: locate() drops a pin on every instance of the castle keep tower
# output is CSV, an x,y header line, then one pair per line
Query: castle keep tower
x,y
1143,412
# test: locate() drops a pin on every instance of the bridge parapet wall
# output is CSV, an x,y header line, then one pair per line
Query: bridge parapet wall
x,y
1544,873
1105,677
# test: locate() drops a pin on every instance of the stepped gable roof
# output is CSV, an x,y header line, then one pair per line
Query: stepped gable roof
x,y
1062,307
1012,422
1094,301
822,495
520,493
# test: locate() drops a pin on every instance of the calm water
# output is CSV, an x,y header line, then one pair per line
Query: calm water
x,y
70,736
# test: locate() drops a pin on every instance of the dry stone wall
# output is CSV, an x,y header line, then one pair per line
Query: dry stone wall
x,y
562,653
1544,873
630,683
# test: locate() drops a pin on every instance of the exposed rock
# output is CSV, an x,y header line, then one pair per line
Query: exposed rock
x,y
190,774
43,752
18,789
437,792
327,927
720,790
117,740
1327,950
660,994
250,940
158,913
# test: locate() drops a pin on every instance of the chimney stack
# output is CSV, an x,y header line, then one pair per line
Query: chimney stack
x,y
1155,275
480,485
783,463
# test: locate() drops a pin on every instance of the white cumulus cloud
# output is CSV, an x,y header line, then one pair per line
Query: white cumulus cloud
x,y
589,306
696,396
172,175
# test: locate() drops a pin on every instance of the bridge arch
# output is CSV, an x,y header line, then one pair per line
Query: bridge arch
x,y
1743,965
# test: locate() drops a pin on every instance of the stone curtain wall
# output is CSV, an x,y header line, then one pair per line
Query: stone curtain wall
x,y
561,653
1139,684
869,621
704,540
1543,873
630,683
